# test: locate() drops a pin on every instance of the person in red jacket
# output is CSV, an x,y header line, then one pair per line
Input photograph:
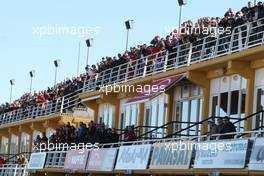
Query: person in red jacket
x,y
2,161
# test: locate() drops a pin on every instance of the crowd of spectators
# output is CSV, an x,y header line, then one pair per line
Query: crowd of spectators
x,y
189,33
93,133
69,86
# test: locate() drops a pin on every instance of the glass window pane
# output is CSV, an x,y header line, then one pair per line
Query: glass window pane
x,y
110,118
184,115
193,117
214,106
200,115
243,107
161,116
234,105
223,104
127,120
153,113
134,115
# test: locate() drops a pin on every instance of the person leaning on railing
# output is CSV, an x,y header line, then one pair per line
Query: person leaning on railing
x,y
228,127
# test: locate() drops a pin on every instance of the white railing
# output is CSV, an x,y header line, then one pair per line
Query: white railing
x,y
56,159
13,170
61,105
242,37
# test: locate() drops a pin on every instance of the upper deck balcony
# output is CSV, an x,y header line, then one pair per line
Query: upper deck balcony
x,y
242,38
210,48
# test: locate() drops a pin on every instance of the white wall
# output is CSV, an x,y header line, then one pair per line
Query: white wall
x,y
227,83
259,79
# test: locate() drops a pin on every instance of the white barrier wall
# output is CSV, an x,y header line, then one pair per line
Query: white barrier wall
x,y
134,157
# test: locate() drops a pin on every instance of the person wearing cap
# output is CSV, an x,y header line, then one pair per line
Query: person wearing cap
x,y
212,129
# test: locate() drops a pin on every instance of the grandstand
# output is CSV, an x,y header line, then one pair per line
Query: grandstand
x,y
194,108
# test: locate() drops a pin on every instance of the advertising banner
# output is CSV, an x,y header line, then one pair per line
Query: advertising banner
x,y
157,87
102,159
76,159
221,154
134,157
173,155
257,155
37,161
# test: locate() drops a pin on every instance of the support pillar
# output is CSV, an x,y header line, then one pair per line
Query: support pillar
x,y
244,69
170,106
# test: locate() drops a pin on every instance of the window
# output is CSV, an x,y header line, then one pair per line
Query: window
x,y
106,114
228,99
131,115
215,106
188,109
223,104
260,107
156,115
4,146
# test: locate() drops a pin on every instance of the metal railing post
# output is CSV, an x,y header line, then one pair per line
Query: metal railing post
x,y
189,55
202,51
62,104
166,61
231,43
145,67
15,172
248,35
127,72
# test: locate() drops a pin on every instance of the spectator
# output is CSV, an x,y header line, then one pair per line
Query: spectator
x,y
212,129
44,139
24,160
115,136
220,125
37,141
2,161
228,127
81,133
130,135
18,160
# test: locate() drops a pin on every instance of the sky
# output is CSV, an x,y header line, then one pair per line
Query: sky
x,y
34,33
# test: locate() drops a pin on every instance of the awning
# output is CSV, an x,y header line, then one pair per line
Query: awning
x,y
91,98
155,89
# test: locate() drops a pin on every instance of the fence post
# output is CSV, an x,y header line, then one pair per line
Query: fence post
x,y
127,72
62,104
15,170
145,67
248,35
166,61
189,55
